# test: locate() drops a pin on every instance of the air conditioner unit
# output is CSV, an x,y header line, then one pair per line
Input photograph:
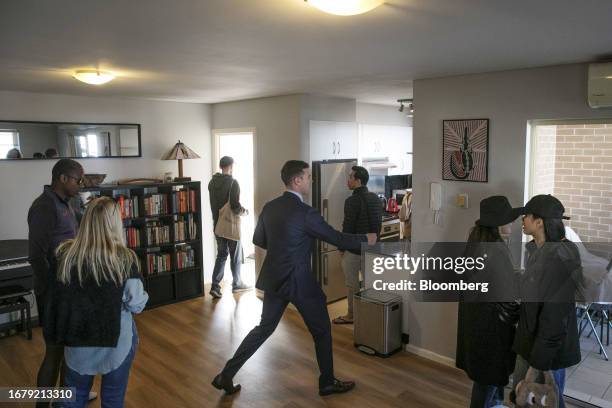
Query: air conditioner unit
x,y
600,85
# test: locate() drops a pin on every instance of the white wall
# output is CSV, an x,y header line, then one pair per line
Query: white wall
x,y
277,135
162,124
277,139
374,114
509,99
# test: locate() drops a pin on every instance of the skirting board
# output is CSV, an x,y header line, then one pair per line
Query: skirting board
x,y
430,355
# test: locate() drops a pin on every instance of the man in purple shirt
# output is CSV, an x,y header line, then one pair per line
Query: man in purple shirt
x,y
52,220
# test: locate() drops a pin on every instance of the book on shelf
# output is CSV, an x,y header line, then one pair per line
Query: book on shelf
x,y
128,206
157,233
156,204
159,262
185,257
132,237
185,227
183,200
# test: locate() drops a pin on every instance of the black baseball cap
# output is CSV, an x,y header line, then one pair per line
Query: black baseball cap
x,y
496,211
544,206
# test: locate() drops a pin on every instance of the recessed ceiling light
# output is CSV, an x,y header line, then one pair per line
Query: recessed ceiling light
x,y
609,77
345,7
93,76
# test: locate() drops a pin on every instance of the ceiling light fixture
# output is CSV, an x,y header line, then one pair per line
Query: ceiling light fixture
x,y
410,103
93,76
345,7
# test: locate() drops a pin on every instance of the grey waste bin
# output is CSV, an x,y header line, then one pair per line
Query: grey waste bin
x,y
378,322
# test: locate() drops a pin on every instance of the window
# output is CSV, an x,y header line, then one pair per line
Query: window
x,y
9,139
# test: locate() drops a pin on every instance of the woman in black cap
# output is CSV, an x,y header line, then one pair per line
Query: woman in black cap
x,y
486,325
547,333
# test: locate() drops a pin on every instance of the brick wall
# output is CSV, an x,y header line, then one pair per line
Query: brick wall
x,y
582,176
544,171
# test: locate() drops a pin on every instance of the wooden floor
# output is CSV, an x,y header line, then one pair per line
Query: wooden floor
x,y
182,347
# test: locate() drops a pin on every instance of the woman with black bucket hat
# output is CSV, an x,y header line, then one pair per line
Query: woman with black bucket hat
x,y
485,324
547,333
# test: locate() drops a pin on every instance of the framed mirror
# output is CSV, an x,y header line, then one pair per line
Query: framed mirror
x,y
22,140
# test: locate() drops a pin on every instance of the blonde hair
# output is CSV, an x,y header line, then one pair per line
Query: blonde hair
x,y
98,250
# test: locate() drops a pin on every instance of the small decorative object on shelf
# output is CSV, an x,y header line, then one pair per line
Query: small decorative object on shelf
x,y
93,180
139,181
180,152
162,224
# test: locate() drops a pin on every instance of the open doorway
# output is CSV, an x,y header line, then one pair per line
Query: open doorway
x,y
239,144
572,160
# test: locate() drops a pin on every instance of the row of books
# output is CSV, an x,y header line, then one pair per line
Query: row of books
x,y
159,262
132,237
156,204
128,206
184,201
185,228
157,233
185,258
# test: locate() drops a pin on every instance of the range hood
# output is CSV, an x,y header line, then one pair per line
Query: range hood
x,y
377,163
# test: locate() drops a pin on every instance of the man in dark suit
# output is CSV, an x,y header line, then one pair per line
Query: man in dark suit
x,y
287,228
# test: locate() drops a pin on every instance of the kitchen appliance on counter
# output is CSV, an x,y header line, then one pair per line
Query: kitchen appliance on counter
x,y
392,206
390,228
398,182
383,201
329,190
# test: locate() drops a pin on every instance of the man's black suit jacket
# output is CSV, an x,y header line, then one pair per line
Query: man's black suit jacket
x,y
287,228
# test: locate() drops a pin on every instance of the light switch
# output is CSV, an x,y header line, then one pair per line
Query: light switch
x,y
462,200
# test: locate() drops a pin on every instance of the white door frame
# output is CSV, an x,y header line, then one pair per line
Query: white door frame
x,y
215,157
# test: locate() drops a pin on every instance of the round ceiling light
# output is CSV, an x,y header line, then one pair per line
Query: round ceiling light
x,y
93,76
345,7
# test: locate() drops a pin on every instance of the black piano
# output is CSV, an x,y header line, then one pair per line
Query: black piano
x,y
15,270
16,280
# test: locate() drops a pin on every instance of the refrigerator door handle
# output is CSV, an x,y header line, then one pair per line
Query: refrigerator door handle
x,y
334,148
338,147
325,217
325,268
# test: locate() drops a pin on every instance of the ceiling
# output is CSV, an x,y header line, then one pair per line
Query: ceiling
x,y
221,50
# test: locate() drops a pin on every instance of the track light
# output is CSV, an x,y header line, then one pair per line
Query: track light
x,y
410,103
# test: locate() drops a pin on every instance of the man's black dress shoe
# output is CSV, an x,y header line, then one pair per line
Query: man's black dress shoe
x,y
226,385
337,387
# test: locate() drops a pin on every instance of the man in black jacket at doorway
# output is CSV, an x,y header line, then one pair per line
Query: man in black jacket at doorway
x,y
221,188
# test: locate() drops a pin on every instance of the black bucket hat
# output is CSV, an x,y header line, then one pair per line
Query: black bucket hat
x,y
544,206
496,211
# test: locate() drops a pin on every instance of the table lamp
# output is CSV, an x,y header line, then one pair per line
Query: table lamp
x,y
179,152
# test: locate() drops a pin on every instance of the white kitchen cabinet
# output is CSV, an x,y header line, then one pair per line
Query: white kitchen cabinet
x,y
392,142
333,140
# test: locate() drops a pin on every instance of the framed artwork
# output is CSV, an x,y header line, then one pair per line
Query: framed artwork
x,y
465,150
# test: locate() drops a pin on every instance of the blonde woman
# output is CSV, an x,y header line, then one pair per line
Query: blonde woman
x,y
98,288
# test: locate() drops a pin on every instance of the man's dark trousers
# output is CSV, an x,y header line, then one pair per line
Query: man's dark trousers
x,y
314,313
227,247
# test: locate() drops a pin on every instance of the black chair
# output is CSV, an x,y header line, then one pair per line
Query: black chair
x,y
12,299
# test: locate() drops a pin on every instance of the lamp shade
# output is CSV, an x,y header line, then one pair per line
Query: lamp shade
x,y
179,152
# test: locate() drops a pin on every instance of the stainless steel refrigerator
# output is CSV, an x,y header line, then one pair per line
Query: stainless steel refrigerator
x,y
329,190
